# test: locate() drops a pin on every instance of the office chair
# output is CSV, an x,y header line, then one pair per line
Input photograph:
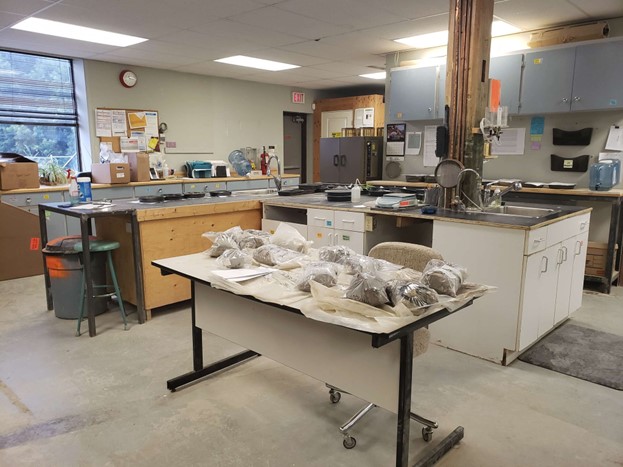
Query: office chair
x,y
415,257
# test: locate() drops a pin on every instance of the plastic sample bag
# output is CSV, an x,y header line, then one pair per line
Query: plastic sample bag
x,y
322,272
335,254
274,255
234,259
444,278
287,236
367,288
411,294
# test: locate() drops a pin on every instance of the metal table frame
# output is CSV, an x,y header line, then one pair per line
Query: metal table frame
x,y
404,335
615,230
85,216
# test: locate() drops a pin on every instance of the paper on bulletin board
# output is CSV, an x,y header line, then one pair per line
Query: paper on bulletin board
x,y
119,123
103,123
141,138
129,144
430,144
151,127
511,142
137,120
413,143
364,118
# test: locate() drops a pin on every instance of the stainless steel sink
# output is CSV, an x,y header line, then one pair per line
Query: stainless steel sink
x,y
262,192
518,211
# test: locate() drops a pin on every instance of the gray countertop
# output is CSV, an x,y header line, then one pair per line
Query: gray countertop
x,y
319,200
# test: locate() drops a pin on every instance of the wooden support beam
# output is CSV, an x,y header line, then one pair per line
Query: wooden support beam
x,y
467,81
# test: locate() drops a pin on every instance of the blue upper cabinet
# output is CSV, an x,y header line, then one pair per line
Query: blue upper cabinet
x,y
547,81
412,94
508,70
598,77
586,77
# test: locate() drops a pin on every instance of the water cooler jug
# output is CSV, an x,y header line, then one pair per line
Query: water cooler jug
x,y
605,174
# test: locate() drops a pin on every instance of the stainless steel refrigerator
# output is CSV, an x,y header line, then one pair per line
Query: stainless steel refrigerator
x,y
344,160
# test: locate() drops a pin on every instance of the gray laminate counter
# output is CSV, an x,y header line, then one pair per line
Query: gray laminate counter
x,y
365,205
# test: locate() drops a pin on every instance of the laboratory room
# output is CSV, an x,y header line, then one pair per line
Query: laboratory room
x,y
286,233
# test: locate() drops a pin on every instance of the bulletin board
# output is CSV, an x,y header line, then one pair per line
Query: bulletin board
x,y
128,130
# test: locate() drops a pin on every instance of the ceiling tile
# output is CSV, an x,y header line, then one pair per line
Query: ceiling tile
x,y
21,40
216,69
254,33
346,13
285,22
9,19
22,7
537,14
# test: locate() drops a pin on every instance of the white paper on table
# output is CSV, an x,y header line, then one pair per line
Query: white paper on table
x,y
103,125
430,144
240,275
511,143
615,139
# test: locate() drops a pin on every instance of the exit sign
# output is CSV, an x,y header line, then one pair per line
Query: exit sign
x,y
298,97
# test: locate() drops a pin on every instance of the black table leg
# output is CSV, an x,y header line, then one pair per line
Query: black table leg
x,y
404,400
138,270
88,274
199,371
43,228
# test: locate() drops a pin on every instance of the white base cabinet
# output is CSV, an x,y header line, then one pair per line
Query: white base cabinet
x,y
539,278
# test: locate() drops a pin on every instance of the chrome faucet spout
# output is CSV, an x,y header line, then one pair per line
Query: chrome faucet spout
x,y
269,172
459,189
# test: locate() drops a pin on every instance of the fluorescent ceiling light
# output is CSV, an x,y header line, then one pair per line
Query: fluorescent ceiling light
x,y
437,39
424,41
251,62
502,28
378,75
80,33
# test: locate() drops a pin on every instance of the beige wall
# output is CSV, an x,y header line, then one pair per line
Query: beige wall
x,y
208,117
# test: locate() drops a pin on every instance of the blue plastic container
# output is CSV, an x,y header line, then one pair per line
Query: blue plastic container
x,y
240,163
605,174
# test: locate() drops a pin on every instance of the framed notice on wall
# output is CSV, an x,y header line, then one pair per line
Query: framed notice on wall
x,y
396,133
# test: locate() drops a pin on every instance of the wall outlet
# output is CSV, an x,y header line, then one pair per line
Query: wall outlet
x,y
370,223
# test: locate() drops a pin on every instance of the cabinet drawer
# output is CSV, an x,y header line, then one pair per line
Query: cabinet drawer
x,y
247,185
32,199
536,240
113,193
148,190
204,186
353,240
320,217
567,228
346,220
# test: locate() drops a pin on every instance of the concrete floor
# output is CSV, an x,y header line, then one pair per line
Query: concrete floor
x,y
68,401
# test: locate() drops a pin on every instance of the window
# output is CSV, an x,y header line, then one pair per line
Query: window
x,y
38,116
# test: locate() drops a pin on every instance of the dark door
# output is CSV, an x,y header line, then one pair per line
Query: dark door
x,y
330,160
295,144
352,160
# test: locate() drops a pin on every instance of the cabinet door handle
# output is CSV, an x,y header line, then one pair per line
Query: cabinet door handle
x,y
336,160
564,252
577,99
583,225
565,99
320,218
348,220
546,263
578,247
538,240
331,240
343,160
559,256
430,109
159,190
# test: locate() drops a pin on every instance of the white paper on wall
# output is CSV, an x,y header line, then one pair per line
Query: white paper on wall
x,y
512,142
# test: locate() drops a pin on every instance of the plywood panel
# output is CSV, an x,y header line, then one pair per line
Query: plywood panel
x,y
170,232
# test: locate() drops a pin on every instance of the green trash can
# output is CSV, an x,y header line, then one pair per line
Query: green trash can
x,y
65,270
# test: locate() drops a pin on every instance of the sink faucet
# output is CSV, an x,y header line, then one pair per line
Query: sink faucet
x,y
277,177
459,189
490,199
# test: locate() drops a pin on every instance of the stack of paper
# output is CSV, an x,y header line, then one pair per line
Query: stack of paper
x,y
240,275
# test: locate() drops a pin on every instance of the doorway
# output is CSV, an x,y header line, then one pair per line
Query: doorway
x,y
295,144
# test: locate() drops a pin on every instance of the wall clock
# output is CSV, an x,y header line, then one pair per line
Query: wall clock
x,y
128,78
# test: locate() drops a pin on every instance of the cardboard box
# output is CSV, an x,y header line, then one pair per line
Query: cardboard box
x,y
18,172
20,243
118,172
596,255
139,166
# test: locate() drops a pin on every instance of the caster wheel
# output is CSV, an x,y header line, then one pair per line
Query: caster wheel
x,y
335,396
173,390
349,442
427,434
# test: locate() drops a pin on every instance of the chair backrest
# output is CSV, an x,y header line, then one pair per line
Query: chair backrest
x,y
409,255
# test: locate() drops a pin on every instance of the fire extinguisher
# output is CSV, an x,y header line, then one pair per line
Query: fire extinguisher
x,y
264,160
